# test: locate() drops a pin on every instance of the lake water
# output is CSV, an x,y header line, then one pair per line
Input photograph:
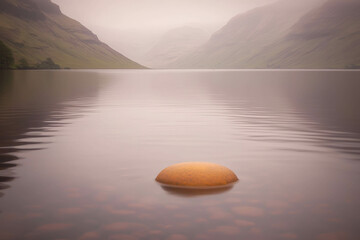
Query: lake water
x,y
79,152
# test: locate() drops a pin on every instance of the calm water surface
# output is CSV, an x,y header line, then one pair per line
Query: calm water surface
x,y
79,151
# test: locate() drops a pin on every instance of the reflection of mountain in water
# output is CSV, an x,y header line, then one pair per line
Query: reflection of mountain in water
x,y
324,104
32,105
331,100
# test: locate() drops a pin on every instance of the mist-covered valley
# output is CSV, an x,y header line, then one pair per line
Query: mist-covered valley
x,y
265,34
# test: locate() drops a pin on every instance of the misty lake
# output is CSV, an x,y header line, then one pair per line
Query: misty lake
x,y
80,149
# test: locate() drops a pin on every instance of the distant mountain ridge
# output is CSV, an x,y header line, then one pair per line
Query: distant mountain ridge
x,y
36,29
285,34
174,44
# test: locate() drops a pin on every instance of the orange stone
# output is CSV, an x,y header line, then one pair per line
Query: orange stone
x,y
196,175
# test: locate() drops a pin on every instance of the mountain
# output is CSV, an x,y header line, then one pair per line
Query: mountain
x,y
174,44
36,30
285,34
246,34
327,37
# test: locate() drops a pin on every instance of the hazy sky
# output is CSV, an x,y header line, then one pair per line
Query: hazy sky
x,y
142,14
133,27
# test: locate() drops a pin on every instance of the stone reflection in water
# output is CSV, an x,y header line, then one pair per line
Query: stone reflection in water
x,y
188,192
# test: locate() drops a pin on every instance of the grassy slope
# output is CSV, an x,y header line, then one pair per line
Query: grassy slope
x,y
63,39
327,37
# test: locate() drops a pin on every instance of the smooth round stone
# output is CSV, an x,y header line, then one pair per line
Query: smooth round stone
x,y
196,175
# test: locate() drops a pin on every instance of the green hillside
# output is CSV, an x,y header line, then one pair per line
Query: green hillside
x,y
36,30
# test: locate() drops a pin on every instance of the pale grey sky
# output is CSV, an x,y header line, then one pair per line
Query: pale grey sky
x,y
156,14
133,27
